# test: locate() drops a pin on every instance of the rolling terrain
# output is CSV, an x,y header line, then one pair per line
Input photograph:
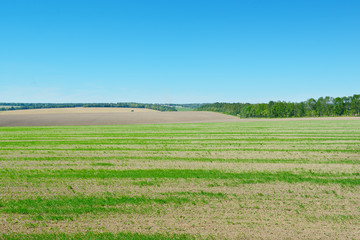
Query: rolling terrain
x,y
105,116
114,116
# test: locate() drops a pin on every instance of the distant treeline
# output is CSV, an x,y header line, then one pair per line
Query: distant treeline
x,y
322,107
18,106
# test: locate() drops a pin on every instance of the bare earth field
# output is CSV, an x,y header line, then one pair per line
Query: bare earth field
x,y
116,116
105,116
75,110
234,180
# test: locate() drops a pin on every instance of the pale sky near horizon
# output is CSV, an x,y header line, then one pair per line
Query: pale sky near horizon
x,y
184,51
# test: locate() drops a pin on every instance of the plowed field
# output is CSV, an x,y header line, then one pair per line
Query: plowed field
x,y
105,116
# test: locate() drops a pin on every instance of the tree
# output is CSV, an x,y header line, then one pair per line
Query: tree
x,y
311,107
338,106
355,105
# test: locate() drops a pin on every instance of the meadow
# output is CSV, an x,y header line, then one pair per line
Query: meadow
x,y
235,180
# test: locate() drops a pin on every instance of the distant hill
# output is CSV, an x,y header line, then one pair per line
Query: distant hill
x,y
18,106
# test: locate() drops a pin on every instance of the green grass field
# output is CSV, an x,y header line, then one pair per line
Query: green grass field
x,y
244,180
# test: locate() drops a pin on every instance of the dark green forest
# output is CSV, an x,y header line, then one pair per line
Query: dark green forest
x,y
321,107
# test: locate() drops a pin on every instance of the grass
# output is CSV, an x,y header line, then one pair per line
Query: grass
x,y
243,177
66,207
181,181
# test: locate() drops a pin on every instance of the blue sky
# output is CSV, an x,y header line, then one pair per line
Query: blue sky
x,y
178,51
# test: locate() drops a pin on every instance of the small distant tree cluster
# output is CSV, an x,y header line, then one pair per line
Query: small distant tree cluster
x,y
158,107
323,106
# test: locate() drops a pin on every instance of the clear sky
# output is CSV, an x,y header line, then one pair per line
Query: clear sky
x,y
178,51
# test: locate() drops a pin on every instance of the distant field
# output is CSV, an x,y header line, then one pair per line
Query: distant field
x,y
5,106
105,116
75,110
265,179
116,116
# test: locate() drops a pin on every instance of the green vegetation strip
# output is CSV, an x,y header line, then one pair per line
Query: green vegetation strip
x,y
65,207
93,160
191,150
243,177
68,207
248,138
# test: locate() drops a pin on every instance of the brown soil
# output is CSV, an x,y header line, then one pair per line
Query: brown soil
x,y
110,118
115,116
75,110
